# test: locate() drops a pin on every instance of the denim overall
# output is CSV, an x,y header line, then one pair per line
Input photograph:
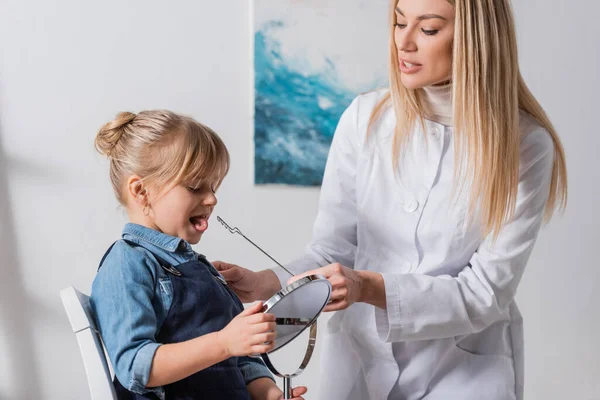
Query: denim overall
x,y
202,303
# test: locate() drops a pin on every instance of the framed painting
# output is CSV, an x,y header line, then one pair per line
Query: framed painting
x,y
311,58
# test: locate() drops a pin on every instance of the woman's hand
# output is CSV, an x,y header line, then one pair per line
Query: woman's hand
x,y
346,285
250,332
248,285
349,286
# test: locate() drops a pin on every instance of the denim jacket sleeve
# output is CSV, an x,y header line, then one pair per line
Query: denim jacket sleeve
x,y
123,301
253,368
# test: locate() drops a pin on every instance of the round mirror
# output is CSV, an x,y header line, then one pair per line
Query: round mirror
x,y
297,306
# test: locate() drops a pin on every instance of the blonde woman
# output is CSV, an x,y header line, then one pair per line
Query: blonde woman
x,y
433,196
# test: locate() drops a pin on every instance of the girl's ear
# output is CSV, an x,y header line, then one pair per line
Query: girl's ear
x,y
136,190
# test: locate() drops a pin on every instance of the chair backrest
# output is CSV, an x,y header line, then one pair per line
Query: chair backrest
x,y
97,369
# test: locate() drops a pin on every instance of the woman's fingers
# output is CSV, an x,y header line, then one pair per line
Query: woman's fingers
x,y
339,293
336,305
220,265
231,275
327,271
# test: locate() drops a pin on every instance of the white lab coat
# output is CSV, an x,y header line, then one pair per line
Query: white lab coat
x,y
452,329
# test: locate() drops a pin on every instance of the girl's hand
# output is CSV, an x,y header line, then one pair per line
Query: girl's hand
x,y
250,332
297,393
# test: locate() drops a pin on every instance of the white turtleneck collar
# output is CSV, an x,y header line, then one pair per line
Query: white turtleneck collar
x,y
438,103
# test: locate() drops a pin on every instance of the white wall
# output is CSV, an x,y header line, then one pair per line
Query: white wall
x,y
66,66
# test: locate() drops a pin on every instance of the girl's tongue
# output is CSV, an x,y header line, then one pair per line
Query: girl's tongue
x,y
200,223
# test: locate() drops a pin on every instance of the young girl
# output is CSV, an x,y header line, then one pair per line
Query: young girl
x,y
171,326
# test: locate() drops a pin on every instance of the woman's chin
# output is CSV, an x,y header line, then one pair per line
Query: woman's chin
x,y
413,82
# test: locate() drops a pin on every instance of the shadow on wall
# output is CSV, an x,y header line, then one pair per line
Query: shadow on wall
x,y
16,310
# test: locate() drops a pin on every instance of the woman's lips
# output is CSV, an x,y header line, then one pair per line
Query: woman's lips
x,y
408,67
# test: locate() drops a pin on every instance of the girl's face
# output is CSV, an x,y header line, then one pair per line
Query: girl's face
x,y
183,211
423,37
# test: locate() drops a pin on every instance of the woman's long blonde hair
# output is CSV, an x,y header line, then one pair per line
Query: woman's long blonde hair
x,y
488,92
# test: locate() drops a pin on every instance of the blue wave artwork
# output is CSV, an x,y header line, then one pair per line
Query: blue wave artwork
x,y
295,115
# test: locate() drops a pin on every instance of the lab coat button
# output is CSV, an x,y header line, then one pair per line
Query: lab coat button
x,y
411,206
435,133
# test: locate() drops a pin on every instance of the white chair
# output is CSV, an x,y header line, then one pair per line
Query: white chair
x,y
97,368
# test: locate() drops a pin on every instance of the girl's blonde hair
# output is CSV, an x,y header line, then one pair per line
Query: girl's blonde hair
x,y
163,148
488,92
